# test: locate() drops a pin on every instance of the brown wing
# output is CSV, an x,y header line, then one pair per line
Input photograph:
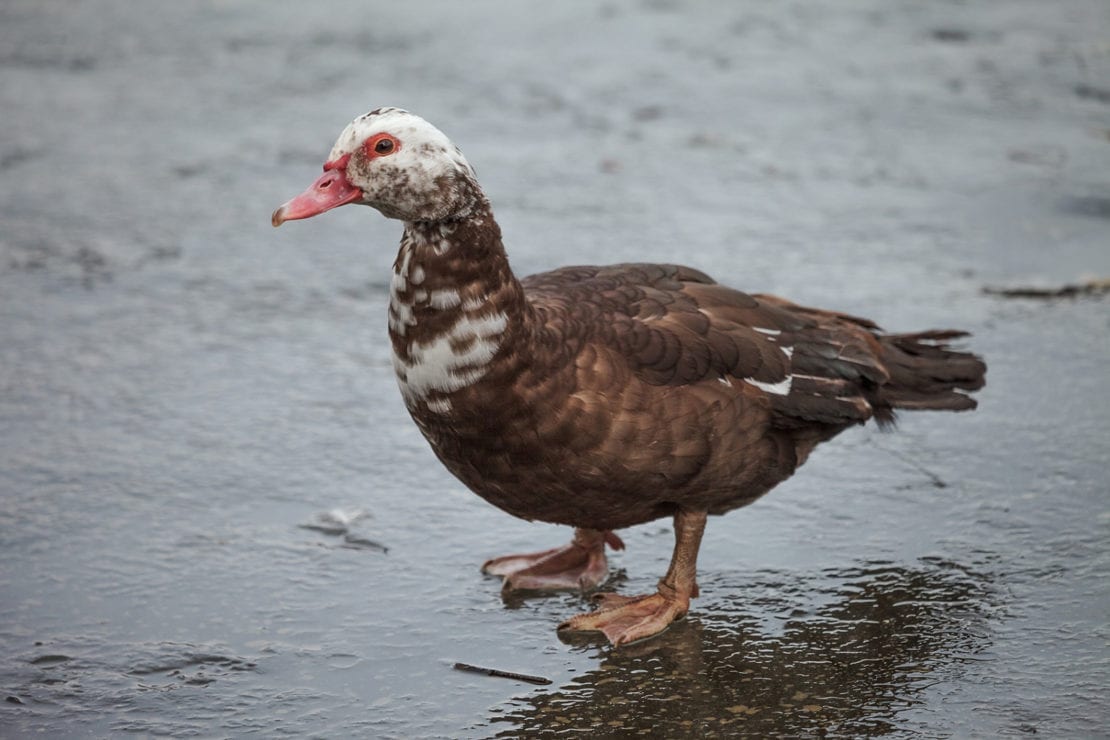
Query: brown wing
x,y
676,327
672,324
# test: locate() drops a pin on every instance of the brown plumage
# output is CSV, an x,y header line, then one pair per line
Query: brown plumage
x,y
602,397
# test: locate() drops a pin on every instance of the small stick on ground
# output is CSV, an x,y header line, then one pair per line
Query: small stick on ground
x,y
537,680
1071,290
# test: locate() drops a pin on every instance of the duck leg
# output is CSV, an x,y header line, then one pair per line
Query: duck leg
x,y
627,618
579,566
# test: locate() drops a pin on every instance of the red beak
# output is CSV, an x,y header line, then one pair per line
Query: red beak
x,y
330,191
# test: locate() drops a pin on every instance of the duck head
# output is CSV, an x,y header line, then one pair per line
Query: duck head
x,y
393,161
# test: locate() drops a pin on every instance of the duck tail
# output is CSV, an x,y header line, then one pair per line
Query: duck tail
x,y
926,374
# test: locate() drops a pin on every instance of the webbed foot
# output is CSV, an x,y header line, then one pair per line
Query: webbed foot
x,y
578,566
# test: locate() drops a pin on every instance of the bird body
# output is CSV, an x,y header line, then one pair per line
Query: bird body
x,y
603,397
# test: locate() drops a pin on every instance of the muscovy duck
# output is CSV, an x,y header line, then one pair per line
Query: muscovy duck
x,y
604,397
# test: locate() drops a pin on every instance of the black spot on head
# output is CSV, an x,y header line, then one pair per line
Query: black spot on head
x,y
380,111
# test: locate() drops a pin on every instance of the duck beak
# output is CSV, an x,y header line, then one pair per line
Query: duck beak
x,y
330,191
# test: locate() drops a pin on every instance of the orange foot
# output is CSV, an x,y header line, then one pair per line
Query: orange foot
x,y
579,566
625,619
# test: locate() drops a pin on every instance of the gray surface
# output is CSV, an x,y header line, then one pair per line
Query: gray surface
x,y
182,386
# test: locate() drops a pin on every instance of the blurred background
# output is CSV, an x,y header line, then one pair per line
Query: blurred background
x,y
216,518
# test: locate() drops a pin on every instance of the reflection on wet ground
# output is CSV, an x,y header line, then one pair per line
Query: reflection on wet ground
x,y
840,654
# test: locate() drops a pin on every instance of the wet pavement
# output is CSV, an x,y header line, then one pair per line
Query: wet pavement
x,y
216,518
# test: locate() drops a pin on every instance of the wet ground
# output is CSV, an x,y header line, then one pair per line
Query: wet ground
x,y
217,519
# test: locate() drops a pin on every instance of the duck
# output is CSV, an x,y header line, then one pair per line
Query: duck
x,y
603,397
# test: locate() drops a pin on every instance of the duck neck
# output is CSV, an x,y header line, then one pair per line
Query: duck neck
x,y
454,305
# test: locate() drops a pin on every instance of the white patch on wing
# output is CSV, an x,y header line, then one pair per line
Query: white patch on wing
x,y
724,380
438,366
771,334
781,388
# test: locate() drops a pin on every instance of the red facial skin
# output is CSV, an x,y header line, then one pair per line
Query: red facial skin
x,y
332,189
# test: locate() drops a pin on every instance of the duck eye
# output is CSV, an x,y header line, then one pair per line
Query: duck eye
x,y
379,145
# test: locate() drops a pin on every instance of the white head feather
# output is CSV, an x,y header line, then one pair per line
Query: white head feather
x,y
426,177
